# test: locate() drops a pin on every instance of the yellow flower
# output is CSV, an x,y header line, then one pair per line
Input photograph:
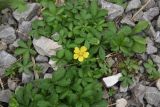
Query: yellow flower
x,y
80,53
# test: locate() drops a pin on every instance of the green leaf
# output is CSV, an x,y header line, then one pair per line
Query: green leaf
x,y
142,25
20,51
102,54
60,53
78,40
125,30
68,55
139,39
94,41
94,7
59,74
22,44
139,48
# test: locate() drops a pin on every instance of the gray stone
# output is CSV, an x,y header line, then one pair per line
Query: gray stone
x,y
27,77
151,13
148,105
11,84
114,10
110,61
139,16
45,46
151,4
151,49
158,84
7,34
41,58
127,20
121,102
133,4
138,92
32,10
23,29
7,17
123,89
44,66
47,75
5,95
6,60
152,96
3,46
157,37
158,22
156,59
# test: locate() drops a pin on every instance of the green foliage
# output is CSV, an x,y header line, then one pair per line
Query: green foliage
x,y
111,92
126,40
69,88
151,70
20,5
25,50
126,79
130,65
121,2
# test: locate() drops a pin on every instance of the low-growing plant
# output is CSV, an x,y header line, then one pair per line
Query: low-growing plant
x,y
126,79
20,5
68,88
130,65
151,70
25,50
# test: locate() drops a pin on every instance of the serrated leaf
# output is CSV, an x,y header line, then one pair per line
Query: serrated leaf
x,y
60,53
102,53
94,7
139,48
59,74
20,51
68,55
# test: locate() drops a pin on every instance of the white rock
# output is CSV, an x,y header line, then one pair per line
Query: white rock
x,y
111,80
47,75
114,10
53,64
121,102
133,4
158,84
45,46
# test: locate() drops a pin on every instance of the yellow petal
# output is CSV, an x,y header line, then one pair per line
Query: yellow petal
x,y
83,49
86,54
80,59
75,56
76,50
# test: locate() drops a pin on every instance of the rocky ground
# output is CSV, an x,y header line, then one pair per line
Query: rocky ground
x,y
142,92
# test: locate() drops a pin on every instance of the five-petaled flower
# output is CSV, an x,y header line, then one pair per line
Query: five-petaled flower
x,y
80,53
